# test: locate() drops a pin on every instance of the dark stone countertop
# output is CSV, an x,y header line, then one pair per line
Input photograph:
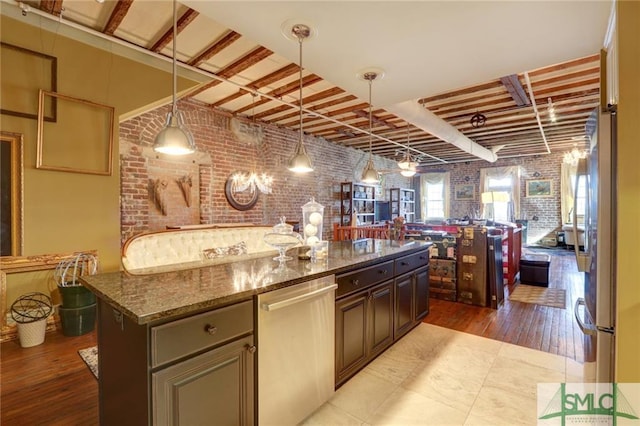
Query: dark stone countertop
x,y
161,294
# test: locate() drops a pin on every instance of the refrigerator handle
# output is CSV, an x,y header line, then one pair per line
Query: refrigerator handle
x,y
588,329
582,258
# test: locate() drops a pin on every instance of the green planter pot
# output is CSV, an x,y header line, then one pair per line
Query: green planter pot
x,y
77,321
76,296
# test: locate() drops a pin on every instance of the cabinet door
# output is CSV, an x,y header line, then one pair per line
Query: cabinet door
x,y
421,288
216,387
351,337
381,317
404,304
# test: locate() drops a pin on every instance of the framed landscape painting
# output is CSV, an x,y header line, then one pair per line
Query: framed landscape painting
x,y
540,188
465,192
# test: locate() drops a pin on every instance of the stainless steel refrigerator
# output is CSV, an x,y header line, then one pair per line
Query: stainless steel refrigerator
x,y
595,313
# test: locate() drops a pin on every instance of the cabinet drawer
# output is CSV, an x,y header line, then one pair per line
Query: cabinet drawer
x,y
183,337
363,278
411,262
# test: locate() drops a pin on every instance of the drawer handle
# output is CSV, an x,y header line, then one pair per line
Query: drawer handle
x,y
356,282
404,263
252,349
423,258
211,329
383,271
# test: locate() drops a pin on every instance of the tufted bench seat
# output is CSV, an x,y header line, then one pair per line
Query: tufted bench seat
x,y
155,251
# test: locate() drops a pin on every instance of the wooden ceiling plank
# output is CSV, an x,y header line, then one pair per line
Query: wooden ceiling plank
x,y
307,100
117,16
222,43
468,90
53,7
565,65
182,23
279,74
246,61
281,91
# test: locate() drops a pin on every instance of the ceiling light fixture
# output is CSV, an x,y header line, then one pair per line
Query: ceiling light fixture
x,y
574,155
407,165
370,174
300,162
551,110
175,138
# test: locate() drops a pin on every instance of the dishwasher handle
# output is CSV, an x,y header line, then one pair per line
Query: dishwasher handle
x,y
287,302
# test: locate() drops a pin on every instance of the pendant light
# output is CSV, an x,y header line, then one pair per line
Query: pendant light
x,y
300,162
175,138
370,174
408,167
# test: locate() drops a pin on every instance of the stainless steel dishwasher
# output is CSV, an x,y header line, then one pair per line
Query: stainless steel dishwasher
x,y
296,356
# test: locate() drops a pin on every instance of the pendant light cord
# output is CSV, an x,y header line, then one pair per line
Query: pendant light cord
x,y
370,121
300,54
174,107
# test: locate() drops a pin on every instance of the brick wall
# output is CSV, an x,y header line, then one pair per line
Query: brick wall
x,y
223,148
543,214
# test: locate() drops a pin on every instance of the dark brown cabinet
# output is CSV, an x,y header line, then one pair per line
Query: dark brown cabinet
x,y
364,328
377,305
411,300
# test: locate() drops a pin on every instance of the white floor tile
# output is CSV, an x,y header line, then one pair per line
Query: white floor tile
x,y
405,408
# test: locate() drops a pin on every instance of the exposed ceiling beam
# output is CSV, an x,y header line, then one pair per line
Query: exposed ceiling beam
x,y
515,89
117,16
182,23
225,41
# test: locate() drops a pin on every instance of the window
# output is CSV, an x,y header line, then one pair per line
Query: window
x,y
500,208
581,200
435,195
434,200
504,185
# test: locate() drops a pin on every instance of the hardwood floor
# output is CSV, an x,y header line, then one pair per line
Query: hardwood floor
x,y
552,330
50,384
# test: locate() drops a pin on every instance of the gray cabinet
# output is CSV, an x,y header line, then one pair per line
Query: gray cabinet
x,y
191,371
215,387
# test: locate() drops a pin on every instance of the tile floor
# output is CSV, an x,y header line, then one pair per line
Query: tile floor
x,y
438,376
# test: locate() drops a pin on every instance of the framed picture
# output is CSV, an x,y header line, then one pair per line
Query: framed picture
x,y
540,188
24,72
82,127
465,192
11,190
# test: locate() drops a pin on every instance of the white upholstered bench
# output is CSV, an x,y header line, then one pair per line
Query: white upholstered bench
x,y
191,246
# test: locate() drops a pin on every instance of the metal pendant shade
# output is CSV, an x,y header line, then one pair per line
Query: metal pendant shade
x,y
300,162
370,174
407,166
175,138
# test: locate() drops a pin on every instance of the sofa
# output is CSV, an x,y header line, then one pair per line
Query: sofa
x,y
569,234
185,247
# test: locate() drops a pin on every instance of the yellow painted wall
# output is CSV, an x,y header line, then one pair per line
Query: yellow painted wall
x,y
628,300
66,212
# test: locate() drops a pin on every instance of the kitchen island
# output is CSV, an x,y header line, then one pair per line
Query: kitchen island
x,y
160,329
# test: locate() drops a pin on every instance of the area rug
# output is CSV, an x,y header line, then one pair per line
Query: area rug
x,y
90,357
554,297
